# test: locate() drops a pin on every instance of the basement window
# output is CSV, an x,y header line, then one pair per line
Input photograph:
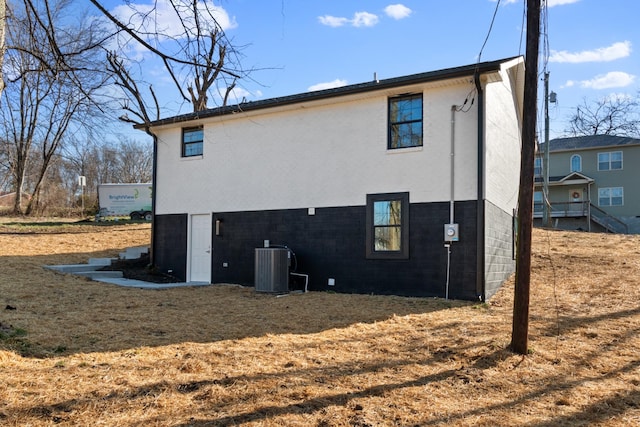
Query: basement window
x,y
192,141
387,226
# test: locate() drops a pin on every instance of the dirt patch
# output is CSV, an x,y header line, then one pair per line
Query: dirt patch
x,y
140,269
89,353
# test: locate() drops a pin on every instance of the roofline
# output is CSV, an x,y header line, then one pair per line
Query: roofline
x,y
447,73
595,147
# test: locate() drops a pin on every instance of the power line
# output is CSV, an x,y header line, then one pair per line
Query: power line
x,y
495,12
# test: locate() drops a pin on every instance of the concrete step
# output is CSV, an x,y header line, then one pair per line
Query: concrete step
x,y
102,262
134,253
73,268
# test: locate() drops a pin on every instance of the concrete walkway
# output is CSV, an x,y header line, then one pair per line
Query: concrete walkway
x,y
91,271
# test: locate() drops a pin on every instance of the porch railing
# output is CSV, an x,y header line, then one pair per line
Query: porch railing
x,y
609,222
583,209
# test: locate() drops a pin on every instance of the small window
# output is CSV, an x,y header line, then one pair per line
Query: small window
x,y
405,121
613,196
388,226
537,166
610,161
576,163
192,142
538,199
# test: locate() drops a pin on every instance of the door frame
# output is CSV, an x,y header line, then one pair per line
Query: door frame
x,y
190,253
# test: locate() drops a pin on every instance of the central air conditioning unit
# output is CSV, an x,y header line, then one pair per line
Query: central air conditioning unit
x,y
272,270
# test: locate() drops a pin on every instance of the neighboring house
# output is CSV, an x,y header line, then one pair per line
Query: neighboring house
x,y
358,181
593,183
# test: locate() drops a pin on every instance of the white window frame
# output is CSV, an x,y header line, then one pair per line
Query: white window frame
x,y
578,157
609,162
607,193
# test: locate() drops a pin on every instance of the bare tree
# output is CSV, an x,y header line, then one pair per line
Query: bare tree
x,y
614,115
3,10
134,161
196,54
48,93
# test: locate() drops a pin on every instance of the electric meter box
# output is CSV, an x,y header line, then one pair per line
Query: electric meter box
x,y
451,233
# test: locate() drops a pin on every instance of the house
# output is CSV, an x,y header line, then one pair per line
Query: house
x,y
592,185
402,186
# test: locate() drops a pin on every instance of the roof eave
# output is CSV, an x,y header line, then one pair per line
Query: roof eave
x,y
444,74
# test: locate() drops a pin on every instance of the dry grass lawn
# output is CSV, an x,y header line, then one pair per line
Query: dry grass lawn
x,y
82,353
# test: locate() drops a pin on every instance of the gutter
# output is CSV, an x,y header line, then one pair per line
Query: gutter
x,y
432,76
480,231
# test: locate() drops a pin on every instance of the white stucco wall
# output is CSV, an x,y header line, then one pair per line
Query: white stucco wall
x,y
503,146
320,154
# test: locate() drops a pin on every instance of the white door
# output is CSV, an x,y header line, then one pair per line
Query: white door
x,y
200,268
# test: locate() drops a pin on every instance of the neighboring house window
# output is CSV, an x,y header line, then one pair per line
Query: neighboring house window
x,y
388,226
538,199
576,163
537,166
610,161
405,121
192,142
613,196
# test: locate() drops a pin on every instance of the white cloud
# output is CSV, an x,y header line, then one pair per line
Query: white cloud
x,y
333,21
158,16
360,19
364,19
328,85
613,79
552,3
603,54
397,11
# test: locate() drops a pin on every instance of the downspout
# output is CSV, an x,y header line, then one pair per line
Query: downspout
x,y
480,232
154,192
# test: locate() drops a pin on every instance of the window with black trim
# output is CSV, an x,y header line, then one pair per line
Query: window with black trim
x,y
192,141
388,226
405,121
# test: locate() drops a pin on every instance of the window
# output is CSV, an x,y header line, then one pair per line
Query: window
x,y
405,121
537,166
613,196
192,142
576,163
610,161
388,226
538,199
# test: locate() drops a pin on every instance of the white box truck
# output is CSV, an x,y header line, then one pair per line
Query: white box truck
x,y
133,200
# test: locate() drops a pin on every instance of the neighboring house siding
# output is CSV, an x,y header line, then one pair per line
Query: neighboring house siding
x,y
628,177
502,146
331,244
499,248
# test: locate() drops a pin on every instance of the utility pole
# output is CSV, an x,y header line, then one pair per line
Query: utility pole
x,y
520,327
546,216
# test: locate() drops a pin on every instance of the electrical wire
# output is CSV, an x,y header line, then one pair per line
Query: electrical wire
x,y
493,19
